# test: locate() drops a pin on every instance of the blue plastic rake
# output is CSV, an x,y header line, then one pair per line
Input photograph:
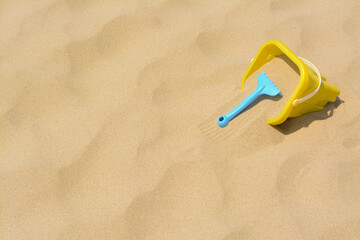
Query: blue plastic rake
x,y
264,87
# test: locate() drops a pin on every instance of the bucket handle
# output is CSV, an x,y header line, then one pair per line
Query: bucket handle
x,y
303,99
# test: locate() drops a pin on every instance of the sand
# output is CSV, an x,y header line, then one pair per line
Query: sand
x,y
108,121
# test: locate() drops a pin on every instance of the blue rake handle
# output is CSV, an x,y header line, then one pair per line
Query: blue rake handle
x,y
264,87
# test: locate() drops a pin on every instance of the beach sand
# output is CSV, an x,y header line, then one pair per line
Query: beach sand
x,y
108,126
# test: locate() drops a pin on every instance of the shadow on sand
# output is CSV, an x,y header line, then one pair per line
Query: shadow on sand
x,y
292,125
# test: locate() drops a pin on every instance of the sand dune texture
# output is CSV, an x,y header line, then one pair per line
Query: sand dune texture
x,y
108,121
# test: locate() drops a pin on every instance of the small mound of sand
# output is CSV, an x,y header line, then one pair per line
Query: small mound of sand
x,y
285,75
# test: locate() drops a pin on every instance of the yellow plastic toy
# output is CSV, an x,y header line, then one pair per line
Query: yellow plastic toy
x,y
312,92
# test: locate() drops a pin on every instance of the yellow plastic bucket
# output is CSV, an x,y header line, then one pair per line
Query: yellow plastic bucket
x,y
313,91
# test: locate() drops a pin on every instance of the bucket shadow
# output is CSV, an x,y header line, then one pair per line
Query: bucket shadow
x,y
290,63
292,125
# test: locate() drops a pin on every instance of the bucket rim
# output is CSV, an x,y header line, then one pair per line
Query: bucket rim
x,y
266,53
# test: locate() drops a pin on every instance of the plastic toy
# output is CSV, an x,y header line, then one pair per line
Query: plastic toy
x,y
264,87
312,92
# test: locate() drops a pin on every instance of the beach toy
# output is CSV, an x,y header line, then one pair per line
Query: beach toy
x,y
264,87
312,92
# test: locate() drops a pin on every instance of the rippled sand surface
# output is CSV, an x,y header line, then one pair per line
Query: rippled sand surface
x,y
108,121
